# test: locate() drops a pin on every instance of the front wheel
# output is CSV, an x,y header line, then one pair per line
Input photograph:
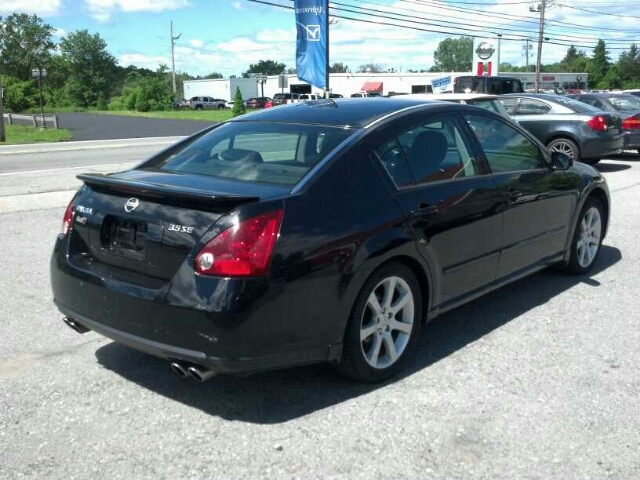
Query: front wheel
x,y
384,325
587,240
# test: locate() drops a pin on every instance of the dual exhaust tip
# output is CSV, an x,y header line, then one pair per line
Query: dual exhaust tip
x,y
196,372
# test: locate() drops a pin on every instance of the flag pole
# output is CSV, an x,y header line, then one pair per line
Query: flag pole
x,y
327,48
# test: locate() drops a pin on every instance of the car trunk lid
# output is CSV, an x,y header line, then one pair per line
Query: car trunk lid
x,y
148,222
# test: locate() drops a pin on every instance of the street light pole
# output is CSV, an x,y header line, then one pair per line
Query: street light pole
x,y
543,5
39,74
173,61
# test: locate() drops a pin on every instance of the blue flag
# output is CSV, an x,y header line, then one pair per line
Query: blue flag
x,y
311,43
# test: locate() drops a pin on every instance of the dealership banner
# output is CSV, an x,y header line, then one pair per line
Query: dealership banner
x,y
311,41
486,55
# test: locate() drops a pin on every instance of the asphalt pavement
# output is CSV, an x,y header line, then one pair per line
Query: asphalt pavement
x,y
96,126
540,379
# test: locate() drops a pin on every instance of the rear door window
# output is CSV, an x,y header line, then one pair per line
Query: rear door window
x,y
529,106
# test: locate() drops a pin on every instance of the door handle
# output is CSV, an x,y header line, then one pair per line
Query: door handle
x,y
424,209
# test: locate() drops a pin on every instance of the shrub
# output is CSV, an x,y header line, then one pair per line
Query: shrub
x,y
102,103
238,104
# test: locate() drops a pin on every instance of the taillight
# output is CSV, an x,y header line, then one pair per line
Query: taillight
x,y
631,123
598,124
68,217
243,250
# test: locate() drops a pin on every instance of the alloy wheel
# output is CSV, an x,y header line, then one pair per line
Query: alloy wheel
x,y
563,147
589,237
387,322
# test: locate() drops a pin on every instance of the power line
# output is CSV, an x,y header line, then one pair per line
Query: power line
x,y
438,23
454,30
598,12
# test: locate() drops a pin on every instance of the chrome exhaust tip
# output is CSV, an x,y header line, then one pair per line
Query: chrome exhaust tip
x,y
201,374
71,323
179,369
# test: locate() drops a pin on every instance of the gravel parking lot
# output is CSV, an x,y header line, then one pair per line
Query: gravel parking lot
x,y
538,380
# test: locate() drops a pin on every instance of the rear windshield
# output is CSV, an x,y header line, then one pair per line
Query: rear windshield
x,y
625,102
256,152
575,105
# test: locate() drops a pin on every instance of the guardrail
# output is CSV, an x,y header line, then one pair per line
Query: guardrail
x,y
34,120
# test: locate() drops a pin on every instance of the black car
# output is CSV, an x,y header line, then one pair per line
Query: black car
x,y
485,84
325,231
627,106
283,98
257,102
565,125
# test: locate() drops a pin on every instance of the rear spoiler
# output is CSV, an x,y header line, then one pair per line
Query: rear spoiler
x,y
202,199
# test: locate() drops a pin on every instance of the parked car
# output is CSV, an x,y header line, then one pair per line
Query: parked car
x,y
200,103
486,84
268,104
627,106
180,104
257,102
635,92
565,125
365,95
487,102
335,95
283,98
309,96
229,104
304,234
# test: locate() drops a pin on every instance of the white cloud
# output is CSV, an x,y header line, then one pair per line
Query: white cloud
x,y
102,10
44,8
238,6
60,32
194,42
140,60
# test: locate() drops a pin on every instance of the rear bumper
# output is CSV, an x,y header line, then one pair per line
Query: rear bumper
x,y
242,365
633,140
229,326
599,146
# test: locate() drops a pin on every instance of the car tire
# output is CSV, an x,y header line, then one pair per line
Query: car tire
x,y
587,239
566,146
198,107
377,345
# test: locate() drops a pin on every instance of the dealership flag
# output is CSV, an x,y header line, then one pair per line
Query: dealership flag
x,y
311,42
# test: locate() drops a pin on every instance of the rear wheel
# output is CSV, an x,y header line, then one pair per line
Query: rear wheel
x,y
587,239
566,146
198,107
384,325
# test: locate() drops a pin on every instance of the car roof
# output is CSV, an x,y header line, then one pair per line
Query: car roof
x,y
449,96
339,112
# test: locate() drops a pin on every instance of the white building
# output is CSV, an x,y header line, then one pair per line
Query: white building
x,y
348,83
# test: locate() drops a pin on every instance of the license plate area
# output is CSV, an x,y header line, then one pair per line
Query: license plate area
x,y
124,237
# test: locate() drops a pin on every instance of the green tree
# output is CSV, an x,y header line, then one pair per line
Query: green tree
x,y
19,95
25,42
238,104
612,79
629,67
154,91
91,67
338,68
599,64
575,61
453,55
266,67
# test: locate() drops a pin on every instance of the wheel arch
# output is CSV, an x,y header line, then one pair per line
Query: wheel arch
x,y
600,194
566,136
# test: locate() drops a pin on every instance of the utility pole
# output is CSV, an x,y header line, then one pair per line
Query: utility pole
x,y
541,7
526,52
2,135
173,60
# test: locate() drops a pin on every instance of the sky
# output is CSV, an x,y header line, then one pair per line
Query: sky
x,y
227,35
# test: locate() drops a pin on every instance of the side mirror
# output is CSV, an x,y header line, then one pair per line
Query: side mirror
x,y
560,161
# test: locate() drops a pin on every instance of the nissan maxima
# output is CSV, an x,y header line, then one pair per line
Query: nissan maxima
x,y
325,231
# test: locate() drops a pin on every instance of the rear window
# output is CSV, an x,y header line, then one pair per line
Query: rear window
x,y
256,152
625,102
575,105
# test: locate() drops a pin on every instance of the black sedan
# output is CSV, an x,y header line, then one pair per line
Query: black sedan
x,y
627,106
326,231
565,125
